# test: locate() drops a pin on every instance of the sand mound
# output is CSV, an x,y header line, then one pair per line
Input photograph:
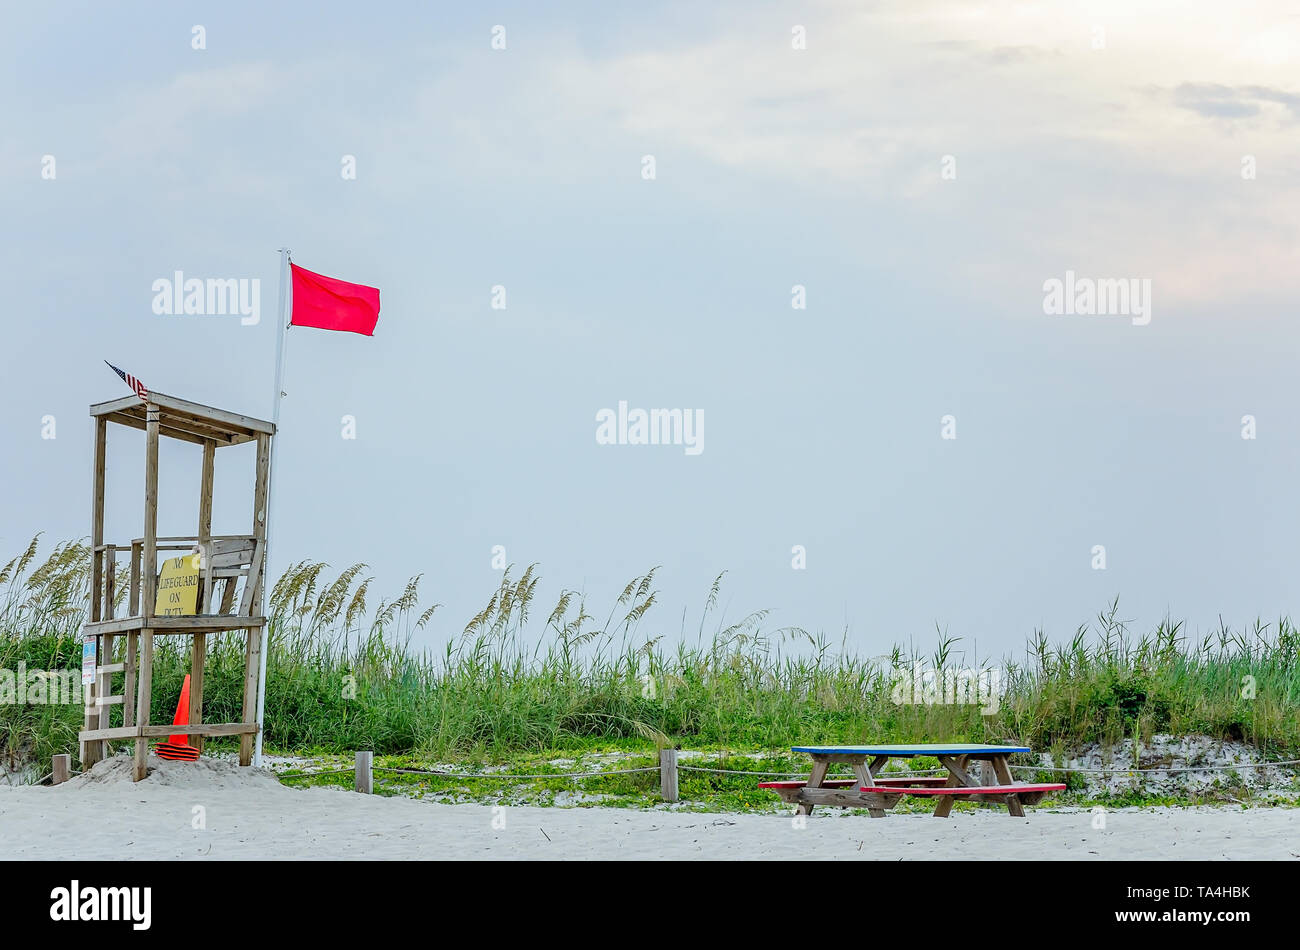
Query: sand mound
x,y
1163,761
205,773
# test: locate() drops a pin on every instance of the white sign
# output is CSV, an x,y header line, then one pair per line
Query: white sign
x,y
88,661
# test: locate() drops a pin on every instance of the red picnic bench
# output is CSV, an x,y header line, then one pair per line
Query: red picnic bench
x,y
880,792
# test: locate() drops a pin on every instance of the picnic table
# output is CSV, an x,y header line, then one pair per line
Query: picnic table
x,y
877,791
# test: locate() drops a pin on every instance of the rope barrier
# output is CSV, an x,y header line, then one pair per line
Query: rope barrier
x,y
491,775
49,775
314,774
1194,768
507,775
906,774
697,768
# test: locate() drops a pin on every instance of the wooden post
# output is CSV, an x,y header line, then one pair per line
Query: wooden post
x,y
205,491
97,520
365,779
128,690
62,768
261,488
104,688
249,713
149,584
92,751
668,774
199,641
144,684
205,523
253,597
149,567
198,656
133,598
110,580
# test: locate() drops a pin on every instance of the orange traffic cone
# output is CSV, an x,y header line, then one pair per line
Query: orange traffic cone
x,y
176,748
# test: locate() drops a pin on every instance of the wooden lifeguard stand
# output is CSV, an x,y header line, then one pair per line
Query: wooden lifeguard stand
x,y
224,561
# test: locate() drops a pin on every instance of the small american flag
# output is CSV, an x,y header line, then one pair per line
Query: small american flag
x,y
131,381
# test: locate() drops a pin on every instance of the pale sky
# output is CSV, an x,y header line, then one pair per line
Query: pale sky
x,y
1126,140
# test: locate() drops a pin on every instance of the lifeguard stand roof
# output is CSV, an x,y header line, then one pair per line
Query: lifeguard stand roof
x,y
185,420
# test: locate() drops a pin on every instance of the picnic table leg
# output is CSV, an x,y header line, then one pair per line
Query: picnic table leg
x,y
814,781
866,775
1003,771
988,777
957,775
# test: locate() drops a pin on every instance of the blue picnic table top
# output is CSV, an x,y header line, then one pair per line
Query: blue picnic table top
x,y
911,751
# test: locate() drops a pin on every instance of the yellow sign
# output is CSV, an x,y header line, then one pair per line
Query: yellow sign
x,y
178,588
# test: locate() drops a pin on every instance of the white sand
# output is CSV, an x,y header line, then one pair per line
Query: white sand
x,y
249,815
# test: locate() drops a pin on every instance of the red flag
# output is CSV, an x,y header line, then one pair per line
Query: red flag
x,y
330,304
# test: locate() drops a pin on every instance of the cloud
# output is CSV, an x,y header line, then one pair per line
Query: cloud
x,y
1063,150
1226,102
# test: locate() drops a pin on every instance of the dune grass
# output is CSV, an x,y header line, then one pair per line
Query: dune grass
x,y
343,674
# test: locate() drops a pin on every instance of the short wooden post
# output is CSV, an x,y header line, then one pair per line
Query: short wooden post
x,y
365,780
62,767
668,774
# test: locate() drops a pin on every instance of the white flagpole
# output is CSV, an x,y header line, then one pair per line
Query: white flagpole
x,y
270,495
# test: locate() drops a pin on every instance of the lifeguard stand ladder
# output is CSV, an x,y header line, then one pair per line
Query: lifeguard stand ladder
x,y
224,561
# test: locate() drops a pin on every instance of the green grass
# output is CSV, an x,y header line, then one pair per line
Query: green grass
x,y
699,791
516,685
